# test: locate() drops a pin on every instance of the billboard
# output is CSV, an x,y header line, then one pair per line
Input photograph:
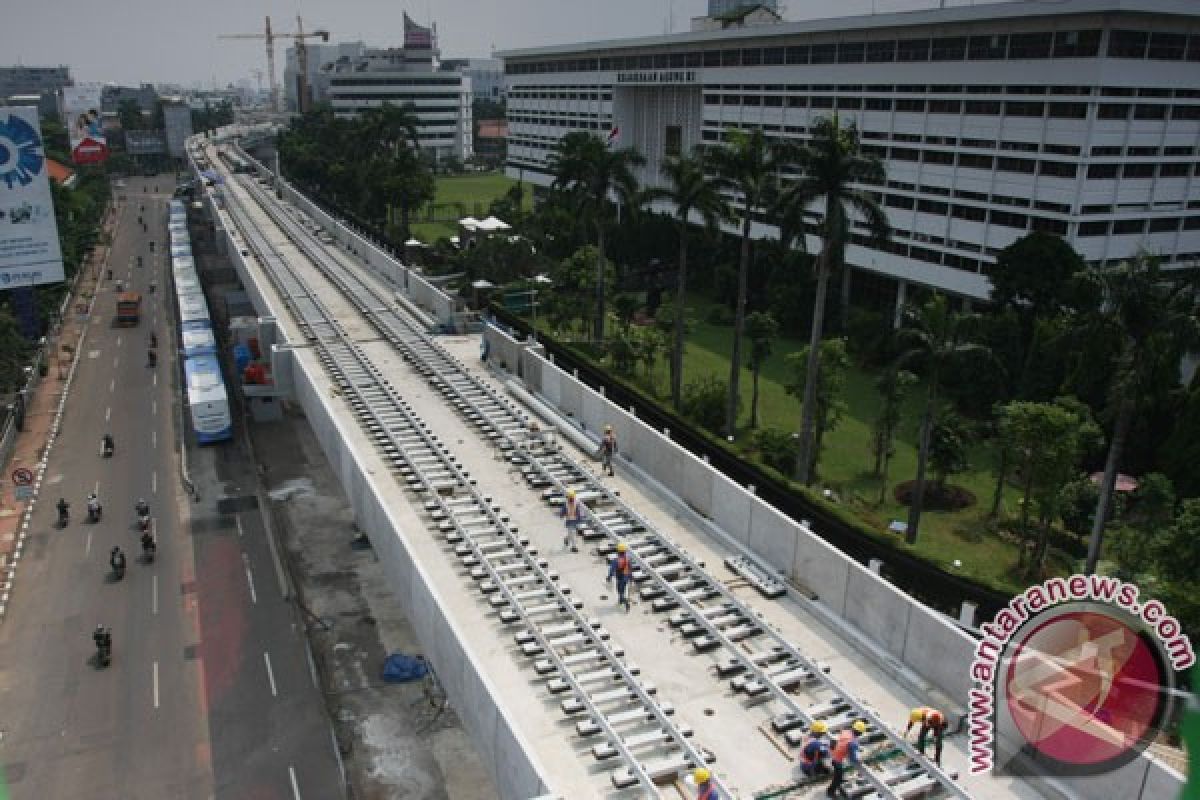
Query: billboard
x,y
81,111
29,249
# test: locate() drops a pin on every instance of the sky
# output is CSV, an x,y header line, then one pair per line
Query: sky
x,y
175,41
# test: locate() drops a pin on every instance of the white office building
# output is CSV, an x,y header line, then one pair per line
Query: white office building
x,y
1078,117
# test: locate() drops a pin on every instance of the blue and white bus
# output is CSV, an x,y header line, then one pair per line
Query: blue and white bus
x,y
198,339
208,404
193,308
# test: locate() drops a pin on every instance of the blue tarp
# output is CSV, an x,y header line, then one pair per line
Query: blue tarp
x,y
399,668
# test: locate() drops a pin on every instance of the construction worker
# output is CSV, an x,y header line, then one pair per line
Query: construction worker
x,y
814,755
705,788
608,448
572,513
931,721
844,749
622,568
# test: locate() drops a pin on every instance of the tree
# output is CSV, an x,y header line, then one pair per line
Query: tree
x,y
934,336
762,330
1034,278
833,168
948,447
1155,318
893,386
704,401
573,278
829,404
1047,440
748,165
589,171
1176,554
130,114
691,191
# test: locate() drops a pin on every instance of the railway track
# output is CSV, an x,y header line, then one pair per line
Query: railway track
x,y
557,638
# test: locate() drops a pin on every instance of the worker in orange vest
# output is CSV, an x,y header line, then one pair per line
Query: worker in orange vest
x,y
705,788
622,569
572,514
844,749
931,721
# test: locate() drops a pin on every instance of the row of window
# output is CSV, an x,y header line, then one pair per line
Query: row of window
x,y
1137,227
576,92
983,47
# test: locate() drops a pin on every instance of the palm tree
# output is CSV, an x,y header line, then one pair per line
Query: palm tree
x,y
690,190
832,167
936,336
590,171
749,166
1155,319
762,330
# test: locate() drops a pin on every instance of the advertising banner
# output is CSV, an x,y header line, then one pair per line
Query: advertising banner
x,y
81,109
29,249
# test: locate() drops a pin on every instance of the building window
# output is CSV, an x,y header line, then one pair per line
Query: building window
x,y
1191,223
1167,46
849,102
1098,228
899,201
913,50
851,52
986,48
910,104
797,55
773,56
1057,169
752,57
1102,171
945,106
1055,226
773,100
824,53
878,104
731,58
1024,165
1137,171
1108,150
974,161
1113,111
712,58
1185,112
1076,44
1126,227
1030,45
933,207
1150,112
1164,225
1127,44
881,52
904,154
822,102
797,101
950,48
1068,110
1009,220
982,107
1175,170
673,140
1020,108
938,157
969,213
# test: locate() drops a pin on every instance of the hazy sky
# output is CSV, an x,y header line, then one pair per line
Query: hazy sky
x,y
132,41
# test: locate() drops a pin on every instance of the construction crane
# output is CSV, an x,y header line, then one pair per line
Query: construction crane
x,y
301,58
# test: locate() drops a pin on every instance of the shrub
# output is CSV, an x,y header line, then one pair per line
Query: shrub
x,y
777,449
704,402
869,338
719,315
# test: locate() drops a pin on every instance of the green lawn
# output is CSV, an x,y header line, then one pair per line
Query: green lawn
x,y
475,191
846,460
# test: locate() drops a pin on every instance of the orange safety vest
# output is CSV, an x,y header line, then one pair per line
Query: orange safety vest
x,y
841,748
623,566
572,510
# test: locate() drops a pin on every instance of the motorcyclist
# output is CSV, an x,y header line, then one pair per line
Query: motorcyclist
x,y
116,560
102,636
94,508
151,358
139,261
109,445
151,247
153,340
63,507
142,508
149,546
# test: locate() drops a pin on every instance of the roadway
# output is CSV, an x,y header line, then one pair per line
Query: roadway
x,y
209,693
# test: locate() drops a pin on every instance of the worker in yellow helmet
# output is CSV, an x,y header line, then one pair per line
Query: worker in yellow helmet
x,y
844,749
608,448
705,788
621,568
814,754
572,513
932,722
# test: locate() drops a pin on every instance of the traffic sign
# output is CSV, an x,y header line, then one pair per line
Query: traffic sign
x,y
22,492
22,476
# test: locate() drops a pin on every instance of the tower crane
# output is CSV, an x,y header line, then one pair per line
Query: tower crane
x,y
301,58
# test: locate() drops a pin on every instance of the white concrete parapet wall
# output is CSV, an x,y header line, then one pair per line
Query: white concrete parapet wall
x,y
925,641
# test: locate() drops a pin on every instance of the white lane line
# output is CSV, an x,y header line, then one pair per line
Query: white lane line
x,y
295,788
116,361
156,379
118,340
250,579
96,489
87,550
154,482
153,406
154,438
154,595
270,674
112,384
156,684
237,518
108,414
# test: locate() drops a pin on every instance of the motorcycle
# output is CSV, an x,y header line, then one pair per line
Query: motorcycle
x,y
95,511
107,446
117,562
103,640
63,516
151,358
149,548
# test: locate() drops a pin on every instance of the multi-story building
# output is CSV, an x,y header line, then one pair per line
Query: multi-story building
x,y
111,97
719,8
1079,117
27,82
486,74
177,119
409,76
322,60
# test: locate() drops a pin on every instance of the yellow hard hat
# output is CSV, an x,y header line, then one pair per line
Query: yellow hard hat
x,y
622,547
859,727
608,428
916,715
701,775
570,492
819,727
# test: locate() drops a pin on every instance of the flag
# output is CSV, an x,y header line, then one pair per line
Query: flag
x,y
614,136
416,36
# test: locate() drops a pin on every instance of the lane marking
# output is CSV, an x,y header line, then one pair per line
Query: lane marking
x,y
108,414
250,578
154,482
112,384
154,595
118,340
153,406
154,438
237,518
270,674
295,788
116,361
96,490
87,550
156,379
156,684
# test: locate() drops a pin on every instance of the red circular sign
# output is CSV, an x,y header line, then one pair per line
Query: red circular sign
x,y
1086,689
22,476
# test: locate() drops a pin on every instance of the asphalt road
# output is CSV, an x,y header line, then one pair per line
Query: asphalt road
x,y
210,693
